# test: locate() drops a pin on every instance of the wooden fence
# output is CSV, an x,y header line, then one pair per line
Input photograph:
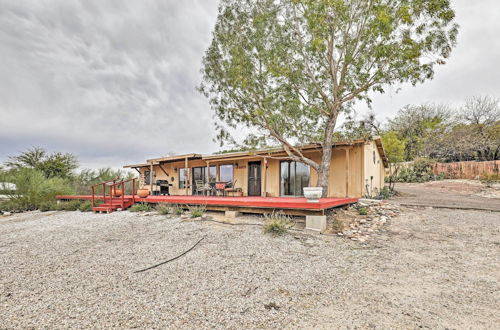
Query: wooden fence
x,y
466,170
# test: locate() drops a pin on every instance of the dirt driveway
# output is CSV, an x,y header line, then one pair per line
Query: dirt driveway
x,y
429,268
465,194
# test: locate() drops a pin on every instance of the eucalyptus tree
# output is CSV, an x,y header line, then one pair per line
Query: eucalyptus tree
x,y
286,69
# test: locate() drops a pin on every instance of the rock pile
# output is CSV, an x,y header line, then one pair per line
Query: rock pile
x,y
350,224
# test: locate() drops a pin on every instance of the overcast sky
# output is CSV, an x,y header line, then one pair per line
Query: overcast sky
x,y
114,81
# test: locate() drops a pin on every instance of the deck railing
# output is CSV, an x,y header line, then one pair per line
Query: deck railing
x,y
112,184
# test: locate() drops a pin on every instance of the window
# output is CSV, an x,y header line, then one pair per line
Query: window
x,y
294,177
226,173
183,173
374,157
147,177
212,177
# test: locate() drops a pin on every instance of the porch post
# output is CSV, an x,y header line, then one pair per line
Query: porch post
x,y
263,193
187,173
347,172
151,178
207,178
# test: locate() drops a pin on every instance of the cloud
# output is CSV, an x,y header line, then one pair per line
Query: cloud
x,y
109,80
472,69
114,81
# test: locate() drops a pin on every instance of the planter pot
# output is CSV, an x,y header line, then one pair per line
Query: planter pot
x,y
313,194
142,193
117,193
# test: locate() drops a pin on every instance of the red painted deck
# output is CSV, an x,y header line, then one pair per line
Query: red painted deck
x,y
246,202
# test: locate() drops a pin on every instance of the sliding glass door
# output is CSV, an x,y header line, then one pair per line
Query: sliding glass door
x,y
294,177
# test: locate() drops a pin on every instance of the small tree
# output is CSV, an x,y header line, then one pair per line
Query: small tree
x,y
395,151
286,69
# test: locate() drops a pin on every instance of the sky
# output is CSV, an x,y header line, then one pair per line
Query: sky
x,y
114,82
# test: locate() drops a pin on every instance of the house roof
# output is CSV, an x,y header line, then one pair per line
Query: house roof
x,y
380,147
137,165
156,161
275,150
243,154
174,158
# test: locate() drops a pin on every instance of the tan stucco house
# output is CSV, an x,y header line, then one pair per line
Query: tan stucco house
x,y
357,169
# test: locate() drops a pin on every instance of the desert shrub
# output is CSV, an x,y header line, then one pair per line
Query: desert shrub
x,y
363,210
48,206
86,206
277,223
142,207
6,206
385,193
420,171
34,189
177,210
489,179
73,205
163,208
196,211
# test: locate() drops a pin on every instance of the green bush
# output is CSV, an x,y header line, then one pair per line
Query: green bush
x,y
163,208
197,211
363,210
73,205
35,190
85,206
277,223
420,171
142,207
385,193
48,206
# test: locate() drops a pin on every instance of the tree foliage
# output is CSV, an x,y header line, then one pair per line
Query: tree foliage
x,y
286,69
470,132
417,125
57,164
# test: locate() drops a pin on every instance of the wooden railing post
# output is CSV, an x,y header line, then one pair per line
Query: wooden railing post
x,y
123,194
133,190
104,193
93,196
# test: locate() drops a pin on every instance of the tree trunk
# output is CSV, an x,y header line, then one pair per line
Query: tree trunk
x,y
326,158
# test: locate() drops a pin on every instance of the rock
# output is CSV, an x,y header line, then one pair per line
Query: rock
x,y
362,221
347,233
7,213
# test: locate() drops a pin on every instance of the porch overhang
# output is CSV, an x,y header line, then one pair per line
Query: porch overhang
x,y
171,159
380,147
137,165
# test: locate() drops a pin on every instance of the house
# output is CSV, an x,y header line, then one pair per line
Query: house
x,y
357,169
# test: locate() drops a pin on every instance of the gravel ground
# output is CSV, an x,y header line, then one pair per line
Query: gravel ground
x,y
450,193
431,268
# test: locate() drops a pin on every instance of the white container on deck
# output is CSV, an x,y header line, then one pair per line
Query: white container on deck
x,y
313,194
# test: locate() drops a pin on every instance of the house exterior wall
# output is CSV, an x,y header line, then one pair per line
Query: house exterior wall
x,y
374,171
346,180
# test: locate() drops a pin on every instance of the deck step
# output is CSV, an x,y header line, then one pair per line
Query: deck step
x,y
113,206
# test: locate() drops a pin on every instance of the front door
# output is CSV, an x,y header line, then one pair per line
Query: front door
x,y
254,179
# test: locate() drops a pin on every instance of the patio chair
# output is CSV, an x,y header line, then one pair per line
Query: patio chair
x,y
200,187
220,187
231,188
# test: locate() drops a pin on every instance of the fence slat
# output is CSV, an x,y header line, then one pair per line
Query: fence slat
x,y
467,170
